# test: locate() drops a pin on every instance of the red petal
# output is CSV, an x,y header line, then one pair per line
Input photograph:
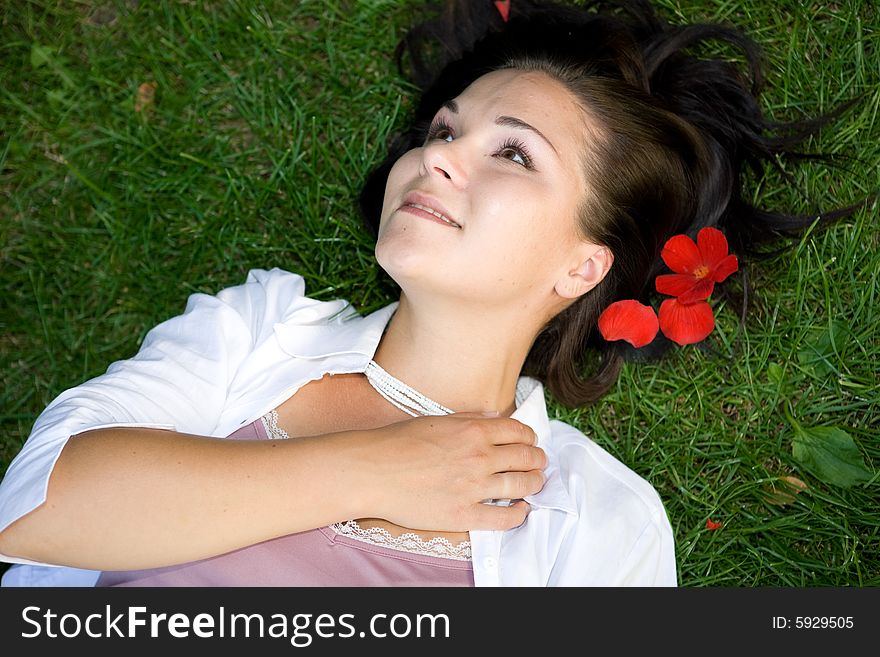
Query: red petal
x,y
712,245
700,291
629,320
686,324
725,268
674,284
685,288
710,524
503,8
681,254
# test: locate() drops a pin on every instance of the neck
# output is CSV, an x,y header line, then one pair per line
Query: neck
x,y
466,359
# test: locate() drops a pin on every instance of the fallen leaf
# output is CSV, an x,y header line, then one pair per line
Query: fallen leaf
x,y
146,95
830,454
44,56
785,493
796,484
40,55
775,373
823,347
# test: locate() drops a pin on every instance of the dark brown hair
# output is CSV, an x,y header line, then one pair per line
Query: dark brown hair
x,y
676,134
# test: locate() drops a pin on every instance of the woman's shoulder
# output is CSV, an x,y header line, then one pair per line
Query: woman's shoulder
x,y
271,296
622,536
264,288
594,475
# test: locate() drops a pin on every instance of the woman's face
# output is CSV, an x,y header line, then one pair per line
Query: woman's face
x,y
503,165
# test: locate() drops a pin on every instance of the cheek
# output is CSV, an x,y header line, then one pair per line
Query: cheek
x,y
404,170
532,225
397,248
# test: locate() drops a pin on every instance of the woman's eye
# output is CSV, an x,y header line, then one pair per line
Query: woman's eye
x,y
513,156
515,151
440,130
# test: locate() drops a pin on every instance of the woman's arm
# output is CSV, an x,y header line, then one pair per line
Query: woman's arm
x,y
127,498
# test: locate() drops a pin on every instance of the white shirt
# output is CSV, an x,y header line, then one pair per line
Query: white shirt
x,y
231,358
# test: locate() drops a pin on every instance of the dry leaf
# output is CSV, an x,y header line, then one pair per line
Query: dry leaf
x,y
788,487
146,94
796,484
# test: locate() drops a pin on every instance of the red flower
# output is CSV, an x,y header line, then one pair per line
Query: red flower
x,y
686,323
698,266
712,525
628,320
687,318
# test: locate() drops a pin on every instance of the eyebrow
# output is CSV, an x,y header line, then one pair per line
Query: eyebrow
x,y
510,121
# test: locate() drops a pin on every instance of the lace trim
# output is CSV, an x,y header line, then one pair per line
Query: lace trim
x,y
408,542
270,422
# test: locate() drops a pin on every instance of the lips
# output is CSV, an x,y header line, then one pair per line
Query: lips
x,y
430,206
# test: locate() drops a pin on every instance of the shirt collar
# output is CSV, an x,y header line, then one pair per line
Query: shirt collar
x,y
532,411
327,329
332,328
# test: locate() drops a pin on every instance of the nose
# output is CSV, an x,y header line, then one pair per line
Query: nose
x,y
445,159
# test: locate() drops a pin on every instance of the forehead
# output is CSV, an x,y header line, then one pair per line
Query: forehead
x,y
527,85
534,97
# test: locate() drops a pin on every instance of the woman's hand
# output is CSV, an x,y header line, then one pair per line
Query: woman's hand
x,y
433,473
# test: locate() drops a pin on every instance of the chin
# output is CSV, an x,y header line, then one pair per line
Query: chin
x,y
415,273
401,264
405,253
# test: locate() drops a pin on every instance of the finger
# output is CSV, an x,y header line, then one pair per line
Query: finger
x,y
516,458
500,430
490,517
506,431
515,485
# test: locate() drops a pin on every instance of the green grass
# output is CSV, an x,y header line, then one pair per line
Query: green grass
x,y
266,119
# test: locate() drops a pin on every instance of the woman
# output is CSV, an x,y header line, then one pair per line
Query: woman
x,y
562,153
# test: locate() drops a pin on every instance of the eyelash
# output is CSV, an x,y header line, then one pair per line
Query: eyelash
x,y
510,144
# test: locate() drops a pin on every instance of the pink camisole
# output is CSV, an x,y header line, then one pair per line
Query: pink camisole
x,y
339,555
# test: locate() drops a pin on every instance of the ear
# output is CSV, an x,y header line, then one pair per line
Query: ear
x,y
595,261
